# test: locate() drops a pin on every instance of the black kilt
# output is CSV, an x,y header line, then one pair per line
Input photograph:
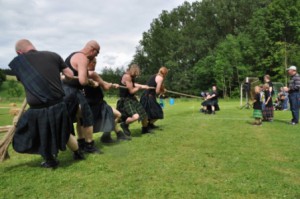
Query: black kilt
x,y
104,120
130,106
210,102
151,106
73,98
43,131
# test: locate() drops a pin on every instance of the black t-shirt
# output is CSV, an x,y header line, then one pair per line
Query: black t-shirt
x,y
257,103
271,86
48,65
214,93
267,95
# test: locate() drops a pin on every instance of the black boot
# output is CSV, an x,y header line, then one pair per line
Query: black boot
x,y
106,138
78,155
50,162
121,136
125,128
145,130
89,147
81,143
152,126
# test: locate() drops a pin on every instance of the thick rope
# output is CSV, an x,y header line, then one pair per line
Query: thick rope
x,y
168,91
6,140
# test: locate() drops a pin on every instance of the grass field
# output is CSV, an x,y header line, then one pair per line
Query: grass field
x,y
193,156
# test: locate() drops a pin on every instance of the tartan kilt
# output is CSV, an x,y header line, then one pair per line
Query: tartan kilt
x,y
268,113
43,131
151,106
104,120
130,106
73,98
257,113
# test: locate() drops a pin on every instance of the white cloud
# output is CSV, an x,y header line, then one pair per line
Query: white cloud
x,y
65,26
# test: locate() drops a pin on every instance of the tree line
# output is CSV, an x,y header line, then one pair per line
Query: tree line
x,y
219,42
222,42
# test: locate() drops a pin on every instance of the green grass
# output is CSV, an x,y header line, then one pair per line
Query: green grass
x,y
4,95
194,156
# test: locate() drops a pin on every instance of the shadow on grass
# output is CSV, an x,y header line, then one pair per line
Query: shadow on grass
x,y
281,121
65,159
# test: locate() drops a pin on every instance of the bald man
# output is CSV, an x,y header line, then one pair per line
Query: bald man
x,y
79,108
45,127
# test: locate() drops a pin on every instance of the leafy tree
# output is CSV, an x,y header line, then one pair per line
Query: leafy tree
x,y
2,77
222,42
275,32
111,75
15,89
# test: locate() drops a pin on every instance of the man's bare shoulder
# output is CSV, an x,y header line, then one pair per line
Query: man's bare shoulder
x,y
79,59
79,56
159,78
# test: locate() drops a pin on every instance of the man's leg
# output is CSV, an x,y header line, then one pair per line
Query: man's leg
x,y
85,135
73,146
120,134
293,102
297,107
151,124
129,120
145,125
213,109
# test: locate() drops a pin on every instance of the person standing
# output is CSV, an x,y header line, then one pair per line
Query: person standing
x,y
257,113
148,99
267,80
268,111
45,128
106,118
78,106
128,104
294,94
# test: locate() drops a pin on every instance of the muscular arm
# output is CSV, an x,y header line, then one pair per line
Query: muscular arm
x,y
159,80
80,62
105,85
211,96
127,81
68,73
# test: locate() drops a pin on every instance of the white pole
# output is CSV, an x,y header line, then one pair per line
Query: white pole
x,y
241,94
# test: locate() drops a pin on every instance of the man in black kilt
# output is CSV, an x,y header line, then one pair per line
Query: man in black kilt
x,y
106,118
46,126
78,106
148,99
128,104
211,101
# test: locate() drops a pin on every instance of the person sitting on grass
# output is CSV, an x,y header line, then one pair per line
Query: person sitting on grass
x,y
257,108
106,118
128,104
211,101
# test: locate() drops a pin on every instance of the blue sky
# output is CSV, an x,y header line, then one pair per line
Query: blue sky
x,y
65,26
